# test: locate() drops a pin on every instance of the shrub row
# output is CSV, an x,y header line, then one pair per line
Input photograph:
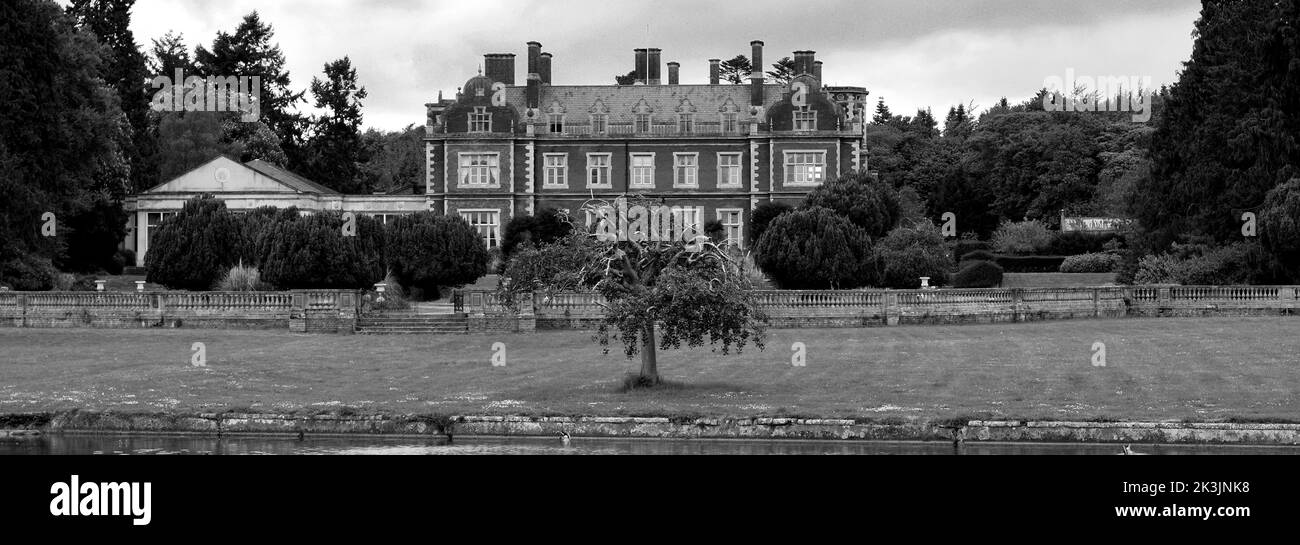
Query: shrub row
x,y
1090,263
197,248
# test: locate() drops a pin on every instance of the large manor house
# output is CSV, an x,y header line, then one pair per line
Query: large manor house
x,y
502,149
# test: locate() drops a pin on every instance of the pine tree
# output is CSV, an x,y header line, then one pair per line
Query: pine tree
x,y
335,148
883,115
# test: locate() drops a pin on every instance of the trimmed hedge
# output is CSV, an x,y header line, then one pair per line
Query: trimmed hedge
x,y
962,247
978,255
1030,263
1090,263
815,249
978,274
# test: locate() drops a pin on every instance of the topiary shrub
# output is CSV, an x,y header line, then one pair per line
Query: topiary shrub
x,y
544,228
763,216
870,204
1090,263
908,253
194,248
312,252
427,250
815,249
978,274
1021,238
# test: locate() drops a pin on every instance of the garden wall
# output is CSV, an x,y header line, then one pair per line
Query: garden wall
x,y
300,310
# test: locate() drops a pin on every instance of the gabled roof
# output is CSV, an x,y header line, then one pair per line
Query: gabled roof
x,y
288,178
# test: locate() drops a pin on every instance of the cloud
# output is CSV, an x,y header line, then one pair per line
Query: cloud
x,y
914,52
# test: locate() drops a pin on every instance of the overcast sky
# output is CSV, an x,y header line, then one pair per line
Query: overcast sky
x,y
915,53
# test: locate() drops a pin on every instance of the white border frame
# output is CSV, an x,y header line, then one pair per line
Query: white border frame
x,y
460,179
676,182
631,169
586,173
565,178
785,166
739,166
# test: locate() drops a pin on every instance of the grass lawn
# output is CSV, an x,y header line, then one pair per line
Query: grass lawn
x,y
1201,369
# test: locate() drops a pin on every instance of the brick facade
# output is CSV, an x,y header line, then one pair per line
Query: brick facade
x,y
500,150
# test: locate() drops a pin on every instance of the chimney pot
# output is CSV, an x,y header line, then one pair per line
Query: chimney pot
x,y
673,72
756,78
642,60
653,73
715,69
544,67
534,57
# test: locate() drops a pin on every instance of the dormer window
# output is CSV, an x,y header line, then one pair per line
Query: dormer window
x,y
805,119
480,120
599,123
555,123
685,123
642,123
729,124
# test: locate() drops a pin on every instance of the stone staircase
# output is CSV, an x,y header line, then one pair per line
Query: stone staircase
x,y
434,317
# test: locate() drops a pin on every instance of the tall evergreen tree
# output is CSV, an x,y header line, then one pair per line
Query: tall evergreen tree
x,y
124,69
61,140
883,115
1227,132
782,71
250,51
334,150
168,54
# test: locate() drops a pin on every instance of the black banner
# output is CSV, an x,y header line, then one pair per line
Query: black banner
x,y
309,496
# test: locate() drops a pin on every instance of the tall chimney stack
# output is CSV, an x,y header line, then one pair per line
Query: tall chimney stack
x,y
653,74
756,78
642,59
500,67
803,62
715,69
544,67
817,71
672,72
534,55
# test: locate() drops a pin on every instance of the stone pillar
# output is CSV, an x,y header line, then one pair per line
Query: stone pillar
x,y
1017,305
892,310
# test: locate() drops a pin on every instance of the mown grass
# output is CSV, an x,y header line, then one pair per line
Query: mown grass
x,y
1193,369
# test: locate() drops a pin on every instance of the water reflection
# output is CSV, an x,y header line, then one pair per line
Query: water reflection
x,y
252,445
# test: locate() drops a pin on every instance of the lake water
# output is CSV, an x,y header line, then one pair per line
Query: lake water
x,y
116,444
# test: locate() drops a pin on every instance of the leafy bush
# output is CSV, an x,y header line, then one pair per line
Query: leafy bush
x,y
123,258
544,228
870,204
1090,263
763,216
908,253
427,250
1234,264
194,248
1021,238
978,274
393,298
28,273
1279,227
311,252
815,249
569,263
1080,242
978,255
1029,263
242,278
